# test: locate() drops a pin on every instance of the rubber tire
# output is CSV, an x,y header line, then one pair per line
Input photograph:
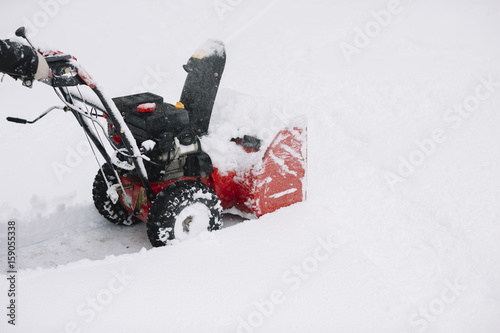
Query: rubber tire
x,y
172,201
114,213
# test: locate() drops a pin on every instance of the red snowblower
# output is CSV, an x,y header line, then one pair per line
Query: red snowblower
x,y
155,169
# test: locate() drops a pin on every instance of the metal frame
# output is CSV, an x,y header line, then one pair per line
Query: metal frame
x,y
108,108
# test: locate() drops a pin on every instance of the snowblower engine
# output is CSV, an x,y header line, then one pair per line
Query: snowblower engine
x,y
168,134
164,134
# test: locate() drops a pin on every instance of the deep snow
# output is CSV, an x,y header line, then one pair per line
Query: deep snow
x,y
359,256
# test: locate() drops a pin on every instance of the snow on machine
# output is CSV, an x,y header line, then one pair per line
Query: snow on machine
x,y
157,171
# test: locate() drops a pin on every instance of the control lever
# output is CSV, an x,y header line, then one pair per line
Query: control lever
x,y
21,32
24,121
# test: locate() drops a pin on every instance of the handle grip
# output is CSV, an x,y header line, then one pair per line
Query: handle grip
x,y
17,120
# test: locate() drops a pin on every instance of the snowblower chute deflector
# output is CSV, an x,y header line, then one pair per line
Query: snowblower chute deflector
x,y
158,172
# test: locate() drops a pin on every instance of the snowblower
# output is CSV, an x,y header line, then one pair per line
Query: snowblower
x,y
155,169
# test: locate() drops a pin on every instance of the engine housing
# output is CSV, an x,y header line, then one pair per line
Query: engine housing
x,y
164,133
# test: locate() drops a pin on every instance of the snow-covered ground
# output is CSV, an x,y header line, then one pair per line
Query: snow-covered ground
x,y
400,231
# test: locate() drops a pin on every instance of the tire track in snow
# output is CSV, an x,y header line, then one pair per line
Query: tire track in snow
x,y
78,233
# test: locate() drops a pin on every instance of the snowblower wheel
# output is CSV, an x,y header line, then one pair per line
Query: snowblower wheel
x,y
183,210
113,212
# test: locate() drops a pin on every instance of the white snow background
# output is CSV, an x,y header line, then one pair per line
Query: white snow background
x,y
400,232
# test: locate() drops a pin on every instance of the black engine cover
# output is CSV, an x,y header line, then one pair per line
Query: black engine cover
x,y
153,125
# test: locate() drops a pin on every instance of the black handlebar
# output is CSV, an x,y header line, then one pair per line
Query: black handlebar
x,y
17,120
